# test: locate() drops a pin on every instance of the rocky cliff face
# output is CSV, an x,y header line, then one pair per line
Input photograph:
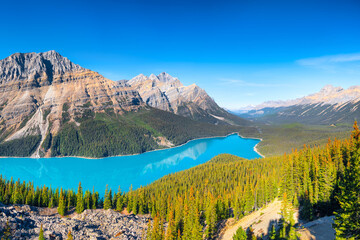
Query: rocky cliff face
x,y
168,93
37,89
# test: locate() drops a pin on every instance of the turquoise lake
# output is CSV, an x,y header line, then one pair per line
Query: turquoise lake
x,y
138,170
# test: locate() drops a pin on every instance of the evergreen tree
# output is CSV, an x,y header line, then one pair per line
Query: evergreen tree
x,y
94,200
107,201
250,233
62,204
210,218
79,200
240,234
272,233
119,203
196,230
156,231
171,233
87,199
41,234
287,230
347,220
69,236
51,203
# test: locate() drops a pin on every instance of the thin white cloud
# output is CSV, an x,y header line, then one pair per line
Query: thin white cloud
x,y
242,83
329,60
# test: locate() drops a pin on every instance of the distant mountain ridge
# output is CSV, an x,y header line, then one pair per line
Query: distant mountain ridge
x,y
330,105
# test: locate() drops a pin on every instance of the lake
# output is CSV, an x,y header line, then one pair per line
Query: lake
x,y
138,170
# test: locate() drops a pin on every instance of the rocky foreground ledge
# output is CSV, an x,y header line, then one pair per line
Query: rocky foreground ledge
x,y
25,221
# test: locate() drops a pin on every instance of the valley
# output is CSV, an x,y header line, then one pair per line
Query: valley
x,y
166,161
180,120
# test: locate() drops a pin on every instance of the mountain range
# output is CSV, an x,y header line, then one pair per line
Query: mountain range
x,y
52,107
169,94
331,105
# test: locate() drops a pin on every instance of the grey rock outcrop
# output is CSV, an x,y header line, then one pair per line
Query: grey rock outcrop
x,y
25,222
33,66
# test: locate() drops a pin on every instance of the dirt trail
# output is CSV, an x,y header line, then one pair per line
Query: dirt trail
x,y
260,221
320,229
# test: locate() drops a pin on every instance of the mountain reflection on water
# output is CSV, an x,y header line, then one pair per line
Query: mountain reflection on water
x,y
124,171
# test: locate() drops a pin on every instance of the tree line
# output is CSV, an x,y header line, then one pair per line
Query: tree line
x,y
190,203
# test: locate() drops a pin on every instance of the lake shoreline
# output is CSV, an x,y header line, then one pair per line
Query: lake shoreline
x,y
126,155
132,170
255,147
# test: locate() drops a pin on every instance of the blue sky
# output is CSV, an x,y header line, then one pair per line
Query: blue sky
x,y
240,52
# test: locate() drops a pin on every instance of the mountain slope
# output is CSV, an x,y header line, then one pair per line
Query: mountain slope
x,y
40,91
331,105
169,94
50,106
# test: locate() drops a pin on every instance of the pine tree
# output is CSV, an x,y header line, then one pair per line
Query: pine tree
x,y
347,220
69,200
156,231
79,200
171,229
69,236
41,234
62,204
196,231
287,231
250,234
51,203
240,234
94,201
107,201
210,218
148,230
87,199
119,203
272,233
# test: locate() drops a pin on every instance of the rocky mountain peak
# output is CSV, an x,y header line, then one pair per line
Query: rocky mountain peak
x,y
165,77
330,88
169,94
153,77
162,77
23,66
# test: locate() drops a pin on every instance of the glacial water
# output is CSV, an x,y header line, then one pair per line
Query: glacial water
x,y
138,170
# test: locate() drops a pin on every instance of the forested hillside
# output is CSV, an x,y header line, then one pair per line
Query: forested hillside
x,y
320,181
108,134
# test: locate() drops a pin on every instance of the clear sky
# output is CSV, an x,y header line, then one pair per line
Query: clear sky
x,y
240,52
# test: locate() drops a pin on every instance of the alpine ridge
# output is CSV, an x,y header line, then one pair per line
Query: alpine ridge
x,y
52,107
169,94
331,105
